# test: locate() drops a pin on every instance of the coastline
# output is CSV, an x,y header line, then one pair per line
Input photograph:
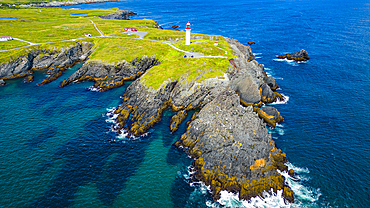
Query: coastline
x,y
245,86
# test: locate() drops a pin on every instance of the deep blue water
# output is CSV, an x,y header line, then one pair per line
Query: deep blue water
x,y
58,150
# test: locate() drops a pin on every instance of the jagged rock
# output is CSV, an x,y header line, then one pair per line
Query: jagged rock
x,y
297,56
156,25
270,115
55,61
175,26
28,79
2,82
270,81
106,76
291,173
233,149
177,119
121,15
251,43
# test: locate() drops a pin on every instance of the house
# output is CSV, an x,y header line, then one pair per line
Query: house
x,y
87,35
5,38
215,44
128,29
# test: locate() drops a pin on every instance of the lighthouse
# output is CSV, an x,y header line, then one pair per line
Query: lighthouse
x,y
187,34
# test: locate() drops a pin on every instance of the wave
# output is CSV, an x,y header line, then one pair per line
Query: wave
x,y
122,135
290,62
278,101
94,89
257,54
257,57
304,196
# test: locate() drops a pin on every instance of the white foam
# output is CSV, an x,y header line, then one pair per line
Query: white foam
x,y
279,129
303,195
94,89
257,57
257,54
290,62
278,101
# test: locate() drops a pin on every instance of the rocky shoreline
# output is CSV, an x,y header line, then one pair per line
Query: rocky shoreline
x,y
228,138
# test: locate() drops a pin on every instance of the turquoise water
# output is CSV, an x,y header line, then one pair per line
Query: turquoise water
x,y
59,151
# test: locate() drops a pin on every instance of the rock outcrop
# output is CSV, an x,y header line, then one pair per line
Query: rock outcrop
x,y
233,149
297,56
107,76
121,15
54,61
229,142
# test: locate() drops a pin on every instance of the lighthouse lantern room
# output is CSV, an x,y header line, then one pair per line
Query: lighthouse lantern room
x,y
187,34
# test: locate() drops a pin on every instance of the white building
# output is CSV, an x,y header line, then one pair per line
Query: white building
x,y
187,34
5,38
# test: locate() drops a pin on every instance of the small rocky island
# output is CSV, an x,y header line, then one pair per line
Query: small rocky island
x,y
297,56
227,137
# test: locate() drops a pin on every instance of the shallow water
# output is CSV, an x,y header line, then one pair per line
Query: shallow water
x,y
58,149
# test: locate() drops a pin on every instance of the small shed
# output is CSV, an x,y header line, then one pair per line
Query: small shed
x,y
87,34
5,38
129,29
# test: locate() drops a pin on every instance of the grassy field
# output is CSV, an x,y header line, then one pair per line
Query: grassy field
x,y
45,25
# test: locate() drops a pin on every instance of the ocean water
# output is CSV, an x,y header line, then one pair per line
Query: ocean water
x,y
58,149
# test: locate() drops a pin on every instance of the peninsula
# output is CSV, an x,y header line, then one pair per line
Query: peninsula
x,y
227,138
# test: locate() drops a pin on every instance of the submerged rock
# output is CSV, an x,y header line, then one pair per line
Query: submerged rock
x,y
297,56
28,79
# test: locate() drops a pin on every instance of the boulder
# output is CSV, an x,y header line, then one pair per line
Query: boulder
x,y
297,56
270,115
247,89
251,43
270,81
175,26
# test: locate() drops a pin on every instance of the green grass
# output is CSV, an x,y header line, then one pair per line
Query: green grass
x,y
53,24
4,45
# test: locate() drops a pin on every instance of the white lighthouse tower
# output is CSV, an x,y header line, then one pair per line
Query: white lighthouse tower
x,y
187,34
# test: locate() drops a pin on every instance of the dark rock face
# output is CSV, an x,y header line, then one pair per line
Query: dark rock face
x,y
109,76
121,15
247,89
270,81
297,56
54,61
233,149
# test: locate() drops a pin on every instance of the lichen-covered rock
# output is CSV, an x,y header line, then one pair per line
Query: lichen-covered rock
x,y
301,55
270,115
233,149
177,119
107,76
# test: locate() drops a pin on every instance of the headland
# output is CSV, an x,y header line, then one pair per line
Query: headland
x,y
227,138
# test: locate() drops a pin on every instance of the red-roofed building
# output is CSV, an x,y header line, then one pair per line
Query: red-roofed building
x,y
87,35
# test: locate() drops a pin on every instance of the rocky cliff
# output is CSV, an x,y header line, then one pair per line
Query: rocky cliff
x,y
228,139
55,61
